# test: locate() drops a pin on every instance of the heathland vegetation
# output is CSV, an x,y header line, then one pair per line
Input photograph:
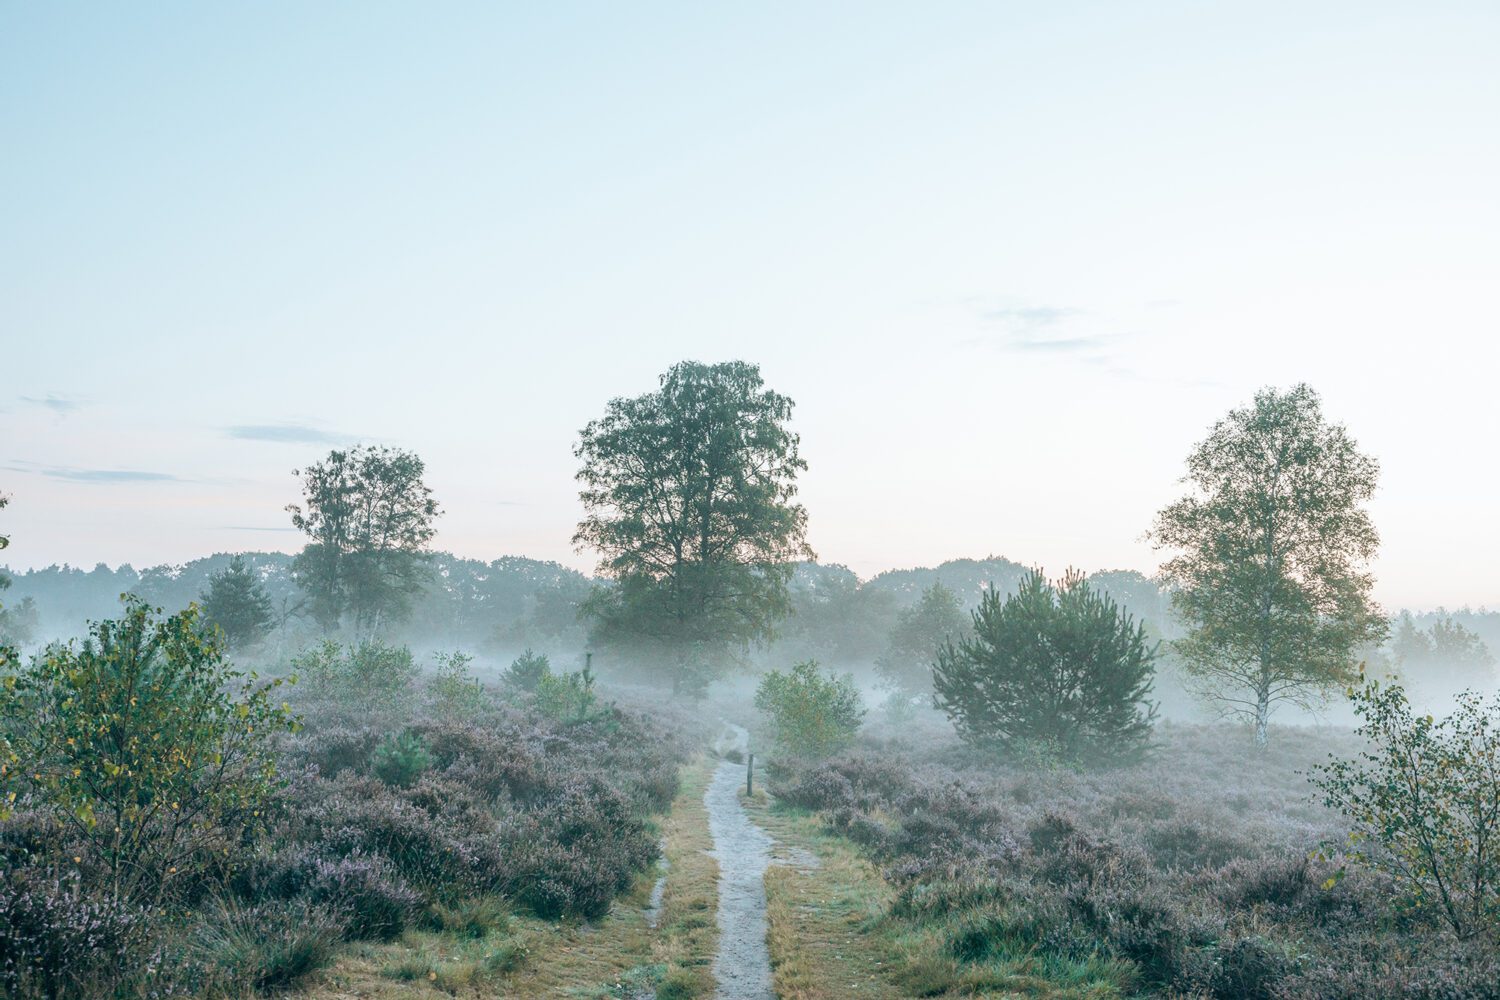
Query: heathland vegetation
x,y
373,769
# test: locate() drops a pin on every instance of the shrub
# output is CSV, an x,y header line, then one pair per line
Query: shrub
x,y
567,697
811,715
59,940
370,673
400,759
457,692
528,670
372,900
146,743
1425,802
1058,666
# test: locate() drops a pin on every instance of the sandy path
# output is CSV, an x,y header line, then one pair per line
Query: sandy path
x,y
743,850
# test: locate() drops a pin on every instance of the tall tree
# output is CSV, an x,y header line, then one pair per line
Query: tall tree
x,y
1272,544
236,601
1057,668
368,516
920,631
688,493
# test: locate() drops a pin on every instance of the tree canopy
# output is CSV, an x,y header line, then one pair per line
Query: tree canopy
x,y
1272,543
689,498
236,602
1054,668
920,631
368,516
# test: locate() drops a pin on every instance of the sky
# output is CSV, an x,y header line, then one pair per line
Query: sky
x,y
1011,260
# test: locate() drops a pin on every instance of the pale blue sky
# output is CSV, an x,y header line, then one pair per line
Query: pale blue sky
x,y
1010,259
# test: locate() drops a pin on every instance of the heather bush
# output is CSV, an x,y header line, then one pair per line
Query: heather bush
x,y
1186,875
58,939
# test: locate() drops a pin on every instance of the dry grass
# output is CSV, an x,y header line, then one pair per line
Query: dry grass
x,y
824,933
615,957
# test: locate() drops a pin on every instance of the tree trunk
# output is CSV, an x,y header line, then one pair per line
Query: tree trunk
x,y
1262,713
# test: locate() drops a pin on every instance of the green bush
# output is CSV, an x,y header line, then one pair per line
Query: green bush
x,y
1058,670
457,692
371,672
400,759
811,714
146,744
528,671
1424,802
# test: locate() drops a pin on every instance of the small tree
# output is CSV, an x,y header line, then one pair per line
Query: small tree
x,y
1059,668
146,743
237,604
920,631
1424,802
455,690
812,714
528,671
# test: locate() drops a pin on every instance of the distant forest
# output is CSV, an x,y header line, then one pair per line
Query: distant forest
x,y
515,602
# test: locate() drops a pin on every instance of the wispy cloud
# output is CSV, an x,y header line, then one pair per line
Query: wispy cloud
x,y
285,434
56,402
1036,329
111,476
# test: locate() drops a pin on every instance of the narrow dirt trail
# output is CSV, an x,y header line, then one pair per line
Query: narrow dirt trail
x,y
742,966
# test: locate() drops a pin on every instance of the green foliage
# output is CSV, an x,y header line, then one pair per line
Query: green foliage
x,y
1444,646
368,516
20,622
237,604
920,631
689,498
1424,802
1273,541
146,743
567,697
811,714
371,672
1060,668
400,759
456,691
528,671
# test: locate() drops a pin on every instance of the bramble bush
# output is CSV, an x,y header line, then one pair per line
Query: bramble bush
x,y
1424,802
811,714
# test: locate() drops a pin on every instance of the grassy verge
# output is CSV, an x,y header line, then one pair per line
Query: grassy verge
x,y
824,905
487,953
832,933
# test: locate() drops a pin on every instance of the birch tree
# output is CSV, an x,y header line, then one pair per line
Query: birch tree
x,y
1272,544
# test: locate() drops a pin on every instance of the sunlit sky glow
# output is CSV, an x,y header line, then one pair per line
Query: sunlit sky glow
x,y
1011,260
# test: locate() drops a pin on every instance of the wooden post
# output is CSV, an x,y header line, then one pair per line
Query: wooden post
x,y
749,774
